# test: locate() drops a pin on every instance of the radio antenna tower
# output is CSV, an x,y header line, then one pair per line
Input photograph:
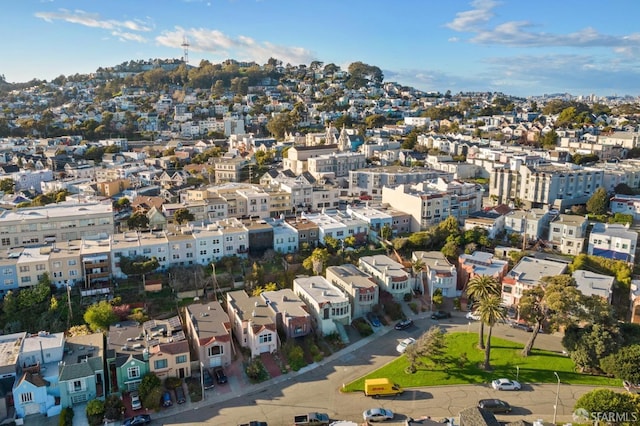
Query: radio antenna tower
x,y
185,46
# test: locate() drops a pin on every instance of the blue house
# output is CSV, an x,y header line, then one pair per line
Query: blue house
x,y
81,376
9,271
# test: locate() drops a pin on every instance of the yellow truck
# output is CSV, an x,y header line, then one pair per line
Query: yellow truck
x,y
381,387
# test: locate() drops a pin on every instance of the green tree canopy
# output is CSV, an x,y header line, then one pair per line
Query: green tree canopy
x,y
556,301
138,220
607,401
599,202
317,261
100,316
183,215
623,364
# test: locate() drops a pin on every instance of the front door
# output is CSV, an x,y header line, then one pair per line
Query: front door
x,y
181,373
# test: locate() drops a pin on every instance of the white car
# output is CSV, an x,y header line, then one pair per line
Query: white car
x,y
472,316
377,415
505,384
402,346
135,402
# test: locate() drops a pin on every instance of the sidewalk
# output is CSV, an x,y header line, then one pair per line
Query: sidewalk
x,y
241,390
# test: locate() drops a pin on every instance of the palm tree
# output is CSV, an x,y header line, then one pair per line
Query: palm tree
x,y
491,311
417,267
480,288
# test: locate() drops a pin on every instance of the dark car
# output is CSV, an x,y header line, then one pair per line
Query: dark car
x,y
405,323
522,326
374,320
494,405
180,397
221,378
254,423
140,419
166,399
207,379
440,315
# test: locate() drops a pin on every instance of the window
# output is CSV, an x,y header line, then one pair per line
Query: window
x,y
133,372
77,386
73,273
265,338
6,241
181,359
71,262
7,271
160,364
24,269
214,350
26,397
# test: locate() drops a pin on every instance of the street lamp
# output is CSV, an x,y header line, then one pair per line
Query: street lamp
x,y
517,372
555,407
202,381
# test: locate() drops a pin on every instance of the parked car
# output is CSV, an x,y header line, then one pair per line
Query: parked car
x,y
180,396
140,419
631,387
135,402
166,399
207,379
254,423
404,324
472,316
494,405
440,315
402,346
377,415
522,326
221,378
374,320
505,384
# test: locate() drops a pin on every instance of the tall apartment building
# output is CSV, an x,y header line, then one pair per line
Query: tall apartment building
x,y
371,180
430,203
335,164
551,184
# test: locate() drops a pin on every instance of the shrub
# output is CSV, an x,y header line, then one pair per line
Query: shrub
x,y
95,412
407,297
195,389
414,307
295,355
172,382
255,371
66,417
149,382
363,327
316,353
152,399
113,408
394,310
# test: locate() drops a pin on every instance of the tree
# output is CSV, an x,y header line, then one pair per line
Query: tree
x,y
599,202
183,215
113,408
606,401
7,185
95,412
491,311
263,157
624,189
138,220
623,364
279,124
480,288
587,346
150,391
122,203
100,316
555,301
386,232
429,347
332,244
316,261
450,249
375,121
549,140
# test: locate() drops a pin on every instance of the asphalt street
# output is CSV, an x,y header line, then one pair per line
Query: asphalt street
x,y
317,388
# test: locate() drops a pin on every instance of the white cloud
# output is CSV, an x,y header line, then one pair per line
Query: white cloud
x,y
127,36
93,20
471,20
240,47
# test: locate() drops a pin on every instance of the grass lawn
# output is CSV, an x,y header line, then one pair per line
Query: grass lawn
x,y
505,357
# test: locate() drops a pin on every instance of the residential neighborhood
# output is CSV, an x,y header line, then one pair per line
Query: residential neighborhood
x,y
156,233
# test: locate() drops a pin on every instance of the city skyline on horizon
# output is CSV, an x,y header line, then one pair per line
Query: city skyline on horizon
x,y
463,46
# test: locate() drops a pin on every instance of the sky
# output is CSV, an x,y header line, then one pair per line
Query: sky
x,y
517,47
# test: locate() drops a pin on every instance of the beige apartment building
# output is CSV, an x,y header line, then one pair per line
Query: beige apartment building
x,y
53,223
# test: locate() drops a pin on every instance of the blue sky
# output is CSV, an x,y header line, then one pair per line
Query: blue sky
x,y
515,46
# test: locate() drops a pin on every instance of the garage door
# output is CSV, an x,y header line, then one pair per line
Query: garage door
x,y
31,409
215,361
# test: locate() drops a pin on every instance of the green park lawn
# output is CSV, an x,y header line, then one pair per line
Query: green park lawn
x,y
505,358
